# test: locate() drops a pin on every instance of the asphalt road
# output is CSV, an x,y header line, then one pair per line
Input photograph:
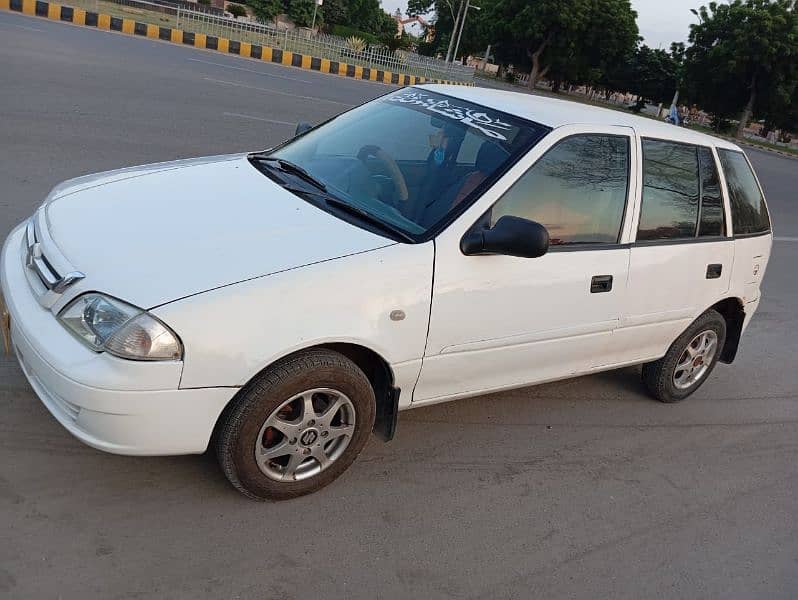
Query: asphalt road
x,y
581,489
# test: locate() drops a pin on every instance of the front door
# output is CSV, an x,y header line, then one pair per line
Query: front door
x,y
502,321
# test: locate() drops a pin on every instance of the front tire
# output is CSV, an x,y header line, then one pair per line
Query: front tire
x,y
297,427
689,360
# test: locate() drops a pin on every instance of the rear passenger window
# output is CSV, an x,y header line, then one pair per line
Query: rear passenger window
x,y
577,190
670,191
712,218
681,192
749,213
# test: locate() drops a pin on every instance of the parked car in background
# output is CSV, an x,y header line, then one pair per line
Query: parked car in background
x,y
436,243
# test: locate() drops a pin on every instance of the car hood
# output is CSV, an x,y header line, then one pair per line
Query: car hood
x,y
149,235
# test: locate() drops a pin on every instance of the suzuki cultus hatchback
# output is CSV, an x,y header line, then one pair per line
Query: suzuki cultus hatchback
x,y
436,243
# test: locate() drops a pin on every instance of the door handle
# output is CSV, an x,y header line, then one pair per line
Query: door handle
x,y
714,271
600,284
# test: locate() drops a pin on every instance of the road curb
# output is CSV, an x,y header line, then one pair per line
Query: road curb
x,y
85,18
764,148
748,144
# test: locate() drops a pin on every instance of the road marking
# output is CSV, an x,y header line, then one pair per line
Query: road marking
x,y
22,27
254,87
254,118
785,239
224,66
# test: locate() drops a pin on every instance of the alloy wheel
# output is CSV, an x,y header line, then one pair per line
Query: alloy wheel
x,y
695,360
305,435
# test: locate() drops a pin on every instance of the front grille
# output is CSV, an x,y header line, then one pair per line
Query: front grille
x,y
36,261
47,280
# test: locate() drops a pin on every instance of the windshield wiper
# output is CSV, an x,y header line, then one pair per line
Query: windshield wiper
x,y
288,167
367,216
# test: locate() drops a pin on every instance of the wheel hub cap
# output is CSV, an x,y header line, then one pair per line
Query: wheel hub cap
x,y
309,437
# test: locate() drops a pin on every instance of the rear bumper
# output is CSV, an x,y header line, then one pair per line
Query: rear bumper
x,y
749,308
123,407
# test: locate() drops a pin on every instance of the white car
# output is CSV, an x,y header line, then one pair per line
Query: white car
x,y
436,243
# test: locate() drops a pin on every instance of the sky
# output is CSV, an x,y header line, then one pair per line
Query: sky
x,y
660,22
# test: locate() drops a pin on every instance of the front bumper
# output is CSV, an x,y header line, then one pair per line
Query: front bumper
x,y
119,406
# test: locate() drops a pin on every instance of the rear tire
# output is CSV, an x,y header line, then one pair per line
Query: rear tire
x,y
278,439
689,360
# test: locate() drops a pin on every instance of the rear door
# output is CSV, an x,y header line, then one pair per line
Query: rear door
x,y
750,223
682,256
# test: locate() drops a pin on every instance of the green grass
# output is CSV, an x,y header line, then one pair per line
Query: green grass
x,y
793,151
745,140
125,12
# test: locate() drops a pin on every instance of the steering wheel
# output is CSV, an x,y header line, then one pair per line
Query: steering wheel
x,y
390,164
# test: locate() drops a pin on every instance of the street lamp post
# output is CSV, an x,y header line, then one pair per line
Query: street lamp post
x,y
462,26
316,5
455,29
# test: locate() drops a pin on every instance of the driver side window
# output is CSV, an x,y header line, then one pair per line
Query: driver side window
x,y
577,190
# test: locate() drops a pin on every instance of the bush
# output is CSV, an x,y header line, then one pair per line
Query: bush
x,y
346,32
356,44
236,10
394,43
266,10
722,125
301,12
204,2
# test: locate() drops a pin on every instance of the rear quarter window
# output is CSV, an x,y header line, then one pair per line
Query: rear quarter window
x,y
749,213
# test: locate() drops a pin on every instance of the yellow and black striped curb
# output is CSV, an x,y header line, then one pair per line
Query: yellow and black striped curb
x,y
79,16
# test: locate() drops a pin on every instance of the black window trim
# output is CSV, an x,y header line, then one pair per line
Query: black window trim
x,y
718,239
572,247
724,233
769,230
696,238
597,247
742,236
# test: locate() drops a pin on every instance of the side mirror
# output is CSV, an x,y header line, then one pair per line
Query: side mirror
x,y
302,127
511,236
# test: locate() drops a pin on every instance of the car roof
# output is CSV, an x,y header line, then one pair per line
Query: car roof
x,y
554,112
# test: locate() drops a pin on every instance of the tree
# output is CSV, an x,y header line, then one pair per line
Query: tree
x,y
301,12
742,56
525,30
266,10
369,16
236,10
336,12
652,74
609,38
443,22
780,109
578,39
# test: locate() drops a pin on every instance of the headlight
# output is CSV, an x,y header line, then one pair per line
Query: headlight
x,y
109,324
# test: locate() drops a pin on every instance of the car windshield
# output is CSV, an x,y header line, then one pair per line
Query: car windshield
x,y
407,162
